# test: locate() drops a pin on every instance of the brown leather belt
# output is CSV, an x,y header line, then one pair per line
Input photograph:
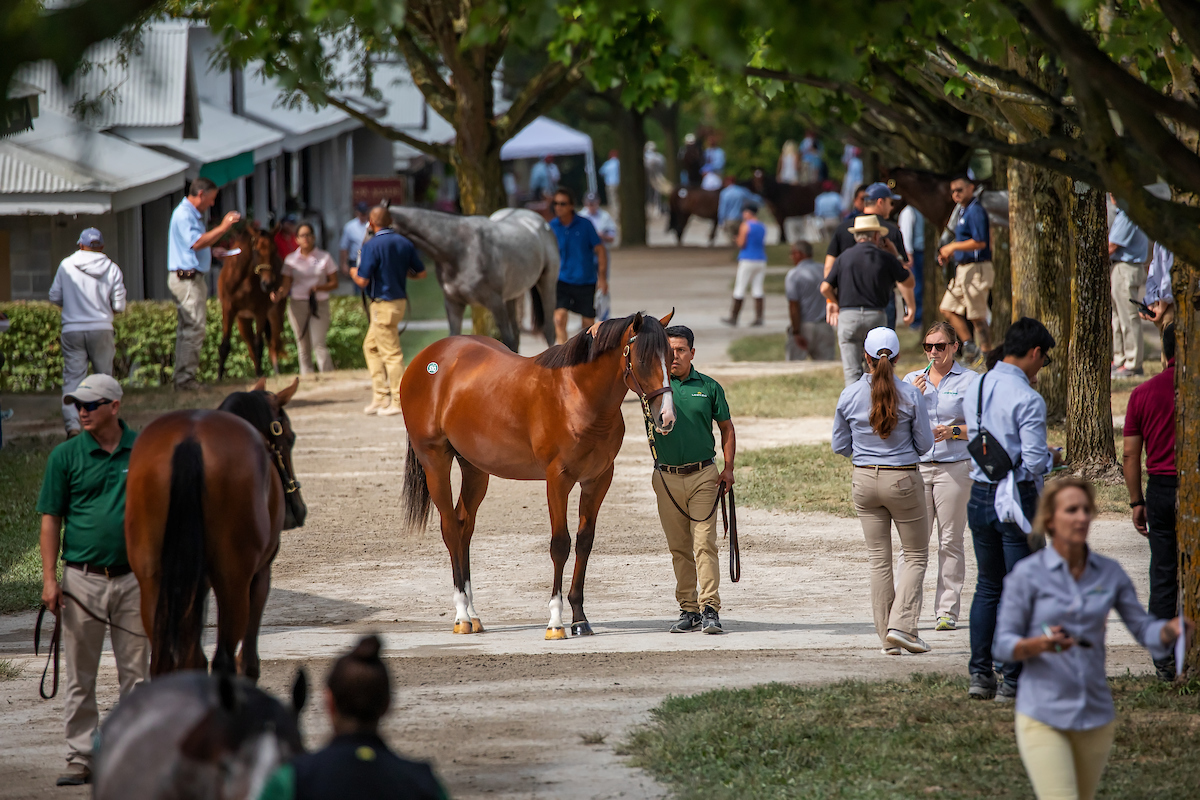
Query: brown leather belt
x,y
884,466
186,274
686,469
92,569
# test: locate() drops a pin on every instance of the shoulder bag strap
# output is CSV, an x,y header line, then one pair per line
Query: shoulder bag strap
x,y
979,405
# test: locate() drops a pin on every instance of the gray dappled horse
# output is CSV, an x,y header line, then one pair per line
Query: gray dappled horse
x,y
194,736
492,261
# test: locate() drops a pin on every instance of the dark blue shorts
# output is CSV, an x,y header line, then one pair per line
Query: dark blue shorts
x,y
578,299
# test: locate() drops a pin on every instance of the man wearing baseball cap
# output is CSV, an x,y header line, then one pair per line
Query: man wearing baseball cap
x,y
90,288
82,504
878,201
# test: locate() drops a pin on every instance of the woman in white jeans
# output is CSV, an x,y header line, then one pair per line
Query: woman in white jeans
x,y
946,467
309,275
752,265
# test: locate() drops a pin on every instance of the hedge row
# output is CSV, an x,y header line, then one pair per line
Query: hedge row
x,y
144,336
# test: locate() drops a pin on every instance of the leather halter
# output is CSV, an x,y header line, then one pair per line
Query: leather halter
x,y
290,484
636,386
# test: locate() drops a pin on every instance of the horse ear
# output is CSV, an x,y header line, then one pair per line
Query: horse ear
x,y
260,385
667,319
299,692
637,322
287,393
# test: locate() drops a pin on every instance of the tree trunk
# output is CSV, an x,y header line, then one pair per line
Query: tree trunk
x,y
1090,449
631,142
1041,245
1184,279
1001,261
476,162
931,273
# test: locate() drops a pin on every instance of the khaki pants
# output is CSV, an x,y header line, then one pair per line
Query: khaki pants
x,y
117,599
883,496
693,545
1128,283
190,302
381,348
313,338
947,490
967,294
78,348
1063,765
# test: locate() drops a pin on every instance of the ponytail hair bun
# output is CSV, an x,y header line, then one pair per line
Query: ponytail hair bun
x,y
360,683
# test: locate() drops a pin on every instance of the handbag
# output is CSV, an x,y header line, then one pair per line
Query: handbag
x,y
986,450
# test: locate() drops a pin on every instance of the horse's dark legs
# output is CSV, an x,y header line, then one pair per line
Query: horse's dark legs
x,y
437,478
260,587
227,316
506,322
274,319
589,508
246,329
454,316
712,235
558,487
548,290
232,595
474,487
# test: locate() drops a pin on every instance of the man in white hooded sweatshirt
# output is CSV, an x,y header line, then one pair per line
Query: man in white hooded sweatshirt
x,y
90,288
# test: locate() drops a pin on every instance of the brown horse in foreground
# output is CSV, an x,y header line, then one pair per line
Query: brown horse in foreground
x,y
244,288
556,417
207,495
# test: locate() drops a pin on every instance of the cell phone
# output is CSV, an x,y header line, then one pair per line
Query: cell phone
x,y
1145,309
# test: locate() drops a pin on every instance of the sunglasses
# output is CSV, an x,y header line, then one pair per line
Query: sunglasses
x,y
559,203
92,406
938,346
1047,360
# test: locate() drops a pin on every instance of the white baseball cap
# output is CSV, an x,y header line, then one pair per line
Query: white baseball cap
x,y
880,339
93,388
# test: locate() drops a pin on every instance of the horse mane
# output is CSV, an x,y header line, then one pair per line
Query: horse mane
x,y
252,407
583,349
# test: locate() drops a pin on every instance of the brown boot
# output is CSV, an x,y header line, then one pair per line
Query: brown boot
x,y
733,313
759,303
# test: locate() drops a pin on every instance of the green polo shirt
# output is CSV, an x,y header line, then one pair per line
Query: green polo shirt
x,y
699,401
86,486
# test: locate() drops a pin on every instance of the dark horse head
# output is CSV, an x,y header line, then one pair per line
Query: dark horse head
x,y
258,255
264,410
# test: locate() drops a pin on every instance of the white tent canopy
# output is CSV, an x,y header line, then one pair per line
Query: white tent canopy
x,y
545,137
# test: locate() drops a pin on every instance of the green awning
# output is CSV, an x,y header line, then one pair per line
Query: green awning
x,y
229,169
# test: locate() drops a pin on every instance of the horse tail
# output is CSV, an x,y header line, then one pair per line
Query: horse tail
x,y
416,499
183,585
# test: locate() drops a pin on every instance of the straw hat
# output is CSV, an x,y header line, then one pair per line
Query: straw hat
x,y
867,223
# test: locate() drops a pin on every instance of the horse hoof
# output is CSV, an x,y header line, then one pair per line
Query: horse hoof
x,y
555,633
476,625
581,629
463,626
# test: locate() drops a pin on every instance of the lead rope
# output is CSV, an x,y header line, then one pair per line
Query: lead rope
x,y
728,513
52,650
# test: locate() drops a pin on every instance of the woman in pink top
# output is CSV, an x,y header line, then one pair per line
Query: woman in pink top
x,y
309,275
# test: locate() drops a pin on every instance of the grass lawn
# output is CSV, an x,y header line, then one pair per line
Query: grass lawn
x,y
912,738
21,466
805,394
802,477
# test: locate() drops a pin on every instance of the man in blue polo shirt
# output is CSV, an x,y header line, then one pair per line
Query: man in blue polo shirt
x,y
384,264
189,258
582,265
966,295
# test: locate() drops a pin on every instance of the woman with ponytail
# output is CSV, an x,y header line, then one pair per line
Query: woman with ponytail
x,y
357,763
882,426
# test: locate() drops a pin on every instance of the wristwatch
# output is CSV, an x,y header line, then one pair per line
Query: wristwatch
x,y
956,432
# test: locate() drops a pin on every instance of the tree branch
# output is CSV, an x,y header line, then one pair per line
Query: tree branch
x,y
546,89
426,75
435,150
998,73
1185,16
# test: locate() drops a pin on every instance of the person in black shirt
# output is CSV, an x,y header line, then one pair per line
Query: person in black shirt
x,y
357,763
857,287
878,201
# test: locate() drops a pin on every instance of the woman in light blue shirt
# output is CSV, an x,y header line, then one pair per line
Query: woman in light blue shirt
x,y
882,426
1053,617
946,467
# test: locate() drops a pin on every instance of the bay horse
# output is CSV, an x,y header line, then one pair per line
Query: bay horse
x,y
785,199
691,201
207,495
556,417
244,288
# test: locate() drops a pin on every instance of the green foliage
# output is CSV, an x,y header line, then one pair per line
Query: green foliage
x,y
145,344
865,740
21,466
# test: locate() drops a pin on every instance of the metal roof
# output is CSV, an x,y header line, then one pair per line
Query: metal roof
x,y
149,89
221,135
64,167
301,126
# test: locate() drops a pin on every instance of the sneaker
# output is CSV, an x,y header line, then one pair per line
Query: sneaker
x,y
913,644
946,623
1165,670
1006,692
76,775
389,411
688,621
711,621
983,687
891,651
375,406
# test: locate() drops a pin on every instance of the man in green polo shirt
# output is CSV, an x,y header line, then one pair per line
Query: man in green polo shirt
x,y
686,470
84,487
